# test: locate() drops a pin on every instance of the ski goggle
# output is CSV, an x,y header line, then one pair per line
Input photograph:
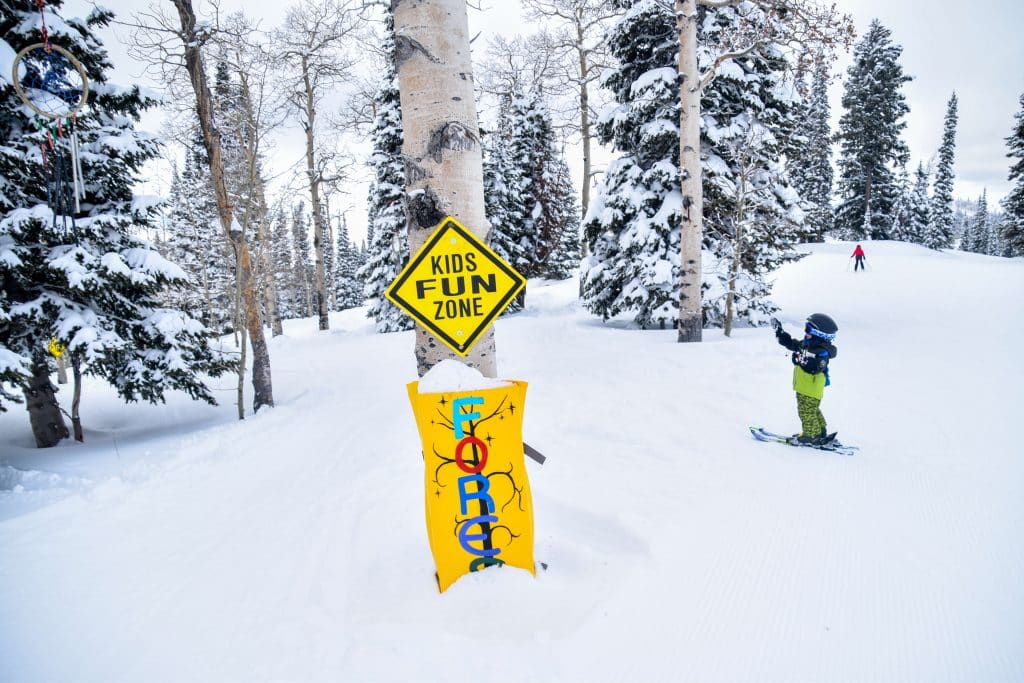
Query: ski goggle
x,y
815,332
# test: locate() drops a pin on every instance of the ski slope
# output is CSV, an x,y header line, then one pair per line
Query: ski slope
x,y
179,544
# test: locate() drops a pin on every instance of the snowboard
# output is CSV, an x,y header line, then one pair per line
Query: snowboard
x,y
833,446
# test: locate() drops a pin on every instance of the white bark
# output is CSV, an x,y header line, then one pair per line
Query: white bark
x,y
315,179
444,166
263,393
813,29
690,316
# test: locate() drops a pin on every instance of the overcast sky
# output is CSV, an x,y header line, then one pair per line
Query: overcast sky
x,y
972,48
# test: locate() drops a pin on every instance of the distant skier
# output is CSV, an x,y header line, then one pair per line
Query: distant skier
x,y
858,258
810,373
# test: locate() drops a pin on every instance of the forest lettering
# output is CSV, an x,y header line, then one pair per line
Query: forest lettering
x,y
473,476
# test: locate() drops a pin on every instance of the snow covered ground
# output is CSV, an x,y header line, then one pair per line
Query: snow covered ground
x,y
180,544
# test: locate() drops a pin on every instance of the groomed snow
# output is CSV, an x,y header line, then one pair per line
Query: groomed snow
x,y
179,544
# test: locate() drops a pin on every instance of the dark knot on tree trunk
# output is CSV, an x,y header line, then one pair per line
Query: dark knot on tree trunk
x,y
406,47
425,208
413,171
452,135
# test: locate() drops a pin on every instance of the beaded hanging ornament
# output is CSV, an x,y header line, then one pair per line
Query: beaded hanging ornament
x,y
53,84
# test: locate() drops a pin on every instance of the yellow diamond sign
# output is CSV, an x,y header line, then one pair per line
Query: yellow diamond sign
x,y
455,286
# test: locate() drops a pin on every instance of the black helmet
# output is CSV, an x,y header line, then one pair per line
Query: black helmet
x,y
821,326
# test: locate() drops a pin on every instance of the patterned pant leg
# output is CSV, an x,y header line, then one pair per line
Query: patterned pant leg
x,y
812,421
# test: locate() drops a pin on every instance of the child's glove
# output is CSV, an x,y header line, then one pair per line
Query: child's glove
x,y
776,325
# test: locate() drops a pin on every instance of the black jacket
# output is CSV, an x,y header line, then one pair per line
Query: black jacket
x,y
812,355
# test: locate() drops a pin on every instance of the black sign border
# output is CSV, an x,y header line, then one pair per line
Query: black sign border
x,y
450,223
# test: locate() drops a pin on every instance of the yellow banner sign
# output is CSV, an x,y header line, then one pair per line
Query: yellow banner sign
x,y
455,286
478,505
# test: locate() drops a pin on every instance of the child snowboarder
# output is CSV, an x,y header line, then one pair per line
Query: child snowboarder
x,y
810,373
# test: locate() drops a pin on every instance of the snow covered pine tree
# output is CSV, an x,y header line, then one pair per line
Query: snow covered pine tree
x,y
632,226
1012,231
93,286
530,200
871,136
812,169
388,244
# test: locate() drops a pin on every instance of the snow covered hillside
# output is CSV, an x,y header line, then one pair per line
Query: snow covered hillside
x,y
180,544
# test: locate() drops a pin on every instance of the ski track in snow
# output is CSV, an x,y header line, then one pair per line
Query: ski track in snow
x,y
179,544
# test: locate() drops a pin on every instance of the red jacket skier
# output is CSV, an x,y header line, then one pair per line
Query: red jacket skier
x,y
858,255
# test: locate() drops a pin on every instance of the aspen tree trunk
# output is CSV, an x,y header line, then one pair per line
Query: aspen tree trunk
x,y
76,400
207,315
737,254
62,370
240,391
259,199
266,269
584,124
263,393
690,316
441,148
331,251
320,284
44,413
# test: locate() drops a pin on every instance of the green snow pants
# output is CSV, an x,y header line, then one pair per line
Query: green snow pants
x,y
812,421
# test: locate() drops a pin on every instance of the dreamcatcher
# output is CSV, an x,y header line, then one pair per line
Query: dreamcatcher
x,y
53,84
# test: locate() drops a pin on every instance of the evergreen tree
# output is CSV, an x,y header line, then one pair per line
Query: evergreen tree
x,y
563,251
811,169
387,235
902,210
632,227
940,236
977,235
504,199
348,291
962,213
327,240
501,198
550,203
1012,231
920,207
196,243
228,112
999,246
302,265
870,136
86,279
282,264
531,194
752,212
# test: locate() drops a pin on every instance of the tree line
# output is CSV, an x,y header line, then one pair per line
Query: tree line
x,y
716,113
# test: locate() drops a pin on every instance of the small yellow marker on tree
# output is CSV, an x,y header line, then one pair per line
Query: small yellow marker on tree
x,y
56,348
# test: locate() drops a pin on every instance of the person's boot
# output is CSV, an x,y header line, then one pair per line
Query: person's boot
x,y
824,438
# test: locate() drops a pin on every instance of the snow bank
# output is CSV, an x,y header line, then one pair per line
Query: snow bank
x,y
451,376
17,481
